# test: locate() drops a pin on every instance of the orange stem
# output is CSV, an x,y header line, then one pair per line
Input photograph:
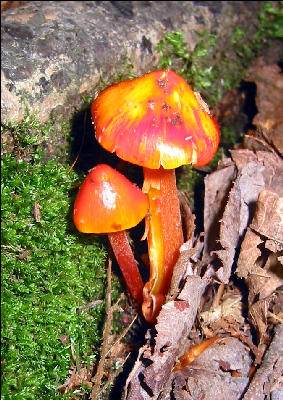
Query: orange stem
x,y
165,237
127,264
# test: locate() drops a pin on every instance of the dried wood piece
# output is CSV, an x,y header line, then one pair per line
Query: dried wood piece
x,y
258,312
271,166
268,219
258,264
24,254
237,214
254,140
229,311
217,187
222,368
269,120
188,218
185,266
228,222
267,381
264,281
90,305
6,5
273,171
249,254
242,157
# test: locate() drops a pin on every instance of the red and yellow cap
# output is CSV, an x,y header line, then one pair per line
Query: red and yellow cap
x,y
155,120
108,202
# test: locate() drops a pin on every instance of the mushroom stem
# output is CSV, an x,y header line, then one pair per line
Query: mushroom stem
x,y
127,263
165,236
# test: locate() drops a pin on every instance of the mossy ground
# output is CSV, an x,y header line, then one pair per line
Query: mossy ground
x,y
48,271
48,268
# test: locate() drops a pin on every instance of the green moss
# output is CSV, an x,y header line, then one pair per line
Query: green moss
x,y
271,23
30,136
30,131
48,271
187,178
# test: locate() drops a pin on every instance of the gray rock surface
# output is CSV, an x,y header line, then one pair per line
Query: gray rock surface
x,y
53,52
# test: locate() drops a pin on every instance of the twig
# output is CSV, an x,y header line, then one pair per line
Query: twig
x,y
89,306
274,316
116,306
113,375
218,296
18,160
109,313
75,356
125,331
65,387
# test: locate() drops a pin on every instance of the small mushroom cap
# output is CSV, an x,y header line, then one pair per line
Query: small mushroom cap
x,y
108,202
155,120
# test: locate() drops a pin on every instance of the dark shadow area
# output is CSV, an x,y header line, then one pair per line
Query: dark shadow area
x,y
248,90
137,337
117,390
199,205
280,64
89,153
85,146
140,250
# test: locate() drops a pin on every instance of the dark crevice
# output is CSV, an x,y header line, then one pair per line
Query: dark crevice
x,y
85,146
199,205
144,385
280,64
120,381
164,348
137,338
248,89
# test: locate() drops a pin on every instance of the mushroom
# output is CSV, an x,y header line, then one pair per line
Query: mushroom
x,y
107,202
157,122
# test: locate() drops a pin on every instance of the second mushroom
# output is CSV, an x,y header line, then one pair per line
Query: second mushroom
x,y
107,202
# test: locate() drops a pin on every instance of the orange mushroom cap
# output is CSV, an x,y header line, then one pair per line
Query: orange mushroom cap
x,y
108,202
155,120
